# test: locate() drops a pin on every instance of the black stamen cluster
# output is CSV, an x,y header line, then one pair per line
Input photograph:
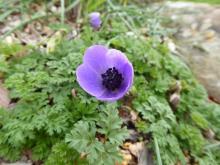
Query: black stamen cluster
x,y
112,79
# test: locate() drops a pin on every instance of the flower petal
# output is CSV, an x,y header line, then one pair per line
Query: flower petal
x,y
116,59
95,57
94,15
89,80
95,20
128,75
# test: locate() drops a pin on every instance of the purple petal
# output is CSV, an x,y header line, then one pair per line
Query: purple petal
x,y
128,75
89,80
95,57
95,20
116,59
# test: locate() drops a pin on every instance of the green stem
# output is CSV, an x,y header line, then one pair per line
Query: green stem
x,y
6,14
213,145
159,161
62,13
72,5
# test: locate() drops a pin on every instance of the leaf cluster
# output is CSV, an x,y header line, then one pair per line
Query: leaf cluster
x,y
60,127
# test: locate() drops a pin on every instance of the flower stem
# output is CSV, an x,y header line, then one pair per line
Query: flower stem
x,y
213,145
159,161
62,12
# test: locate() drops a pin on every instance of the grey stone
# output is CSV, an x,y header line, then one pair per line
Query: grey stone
x,y
198,40
4,97
18,163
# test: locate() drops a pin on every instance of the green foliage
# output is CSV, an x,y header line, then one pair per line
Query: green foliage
x,y
62,154
98,143
191,137
199,120
59,127
7,50
110,126
156,72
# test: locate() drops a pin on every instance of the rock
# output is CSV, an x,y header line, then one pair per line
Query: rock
x,y
198,41
210,134
4,97
174,100
73,91
18,163
210,34
175,95
171,45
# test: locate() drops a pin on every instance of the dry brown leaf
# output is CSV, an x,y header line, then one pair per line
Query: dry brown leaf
x,y
127,158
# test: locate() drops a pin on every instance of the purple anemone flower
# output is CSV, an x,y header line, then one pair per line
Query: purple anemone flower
x,y
95,20
105,73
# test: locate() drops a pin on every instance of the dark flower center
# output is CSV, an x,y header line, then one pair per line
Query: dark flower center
x,y
112,79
